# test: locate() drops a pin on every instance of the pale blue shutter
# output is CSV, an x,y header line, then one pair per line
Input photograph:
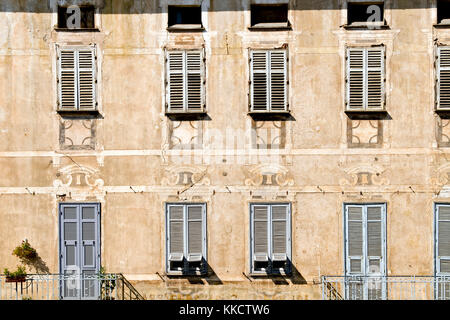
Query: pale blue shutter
x,y
278,80
90,250
194,78
279,232
175,233
195,233
260,233
355,240
443,239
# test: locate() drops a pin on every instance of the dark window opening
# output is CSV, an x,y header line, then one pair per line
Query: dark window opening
x,y
76,18
182,15
443,11
279,265
176,265
269,15
261,265
363,13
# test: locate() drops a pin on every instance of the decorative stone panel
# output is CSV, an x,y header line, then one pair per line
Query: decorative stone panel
x,y
77,134
364,133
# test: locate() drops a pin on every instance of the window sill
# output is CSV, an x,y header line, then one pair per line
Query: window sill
x,y
367,114
282,115
186,28
80,113
269,275
442,25
271,27
77,30
183,274
443,113
365,26
192,115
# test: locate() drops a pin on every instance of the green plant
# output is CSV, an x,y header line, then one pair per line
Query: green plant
x,y
25,252
19,273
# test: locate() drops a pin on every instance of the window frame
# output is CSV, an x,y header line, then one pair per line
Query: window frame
x,y
186,271
437,70
270,271
272,26
365,257
96,11
185,27
365,109
268,110
77,110
437,258
203,82
378,25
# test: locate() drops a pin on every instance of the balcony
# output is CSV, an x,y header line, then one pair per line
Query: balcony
x,y
385,287
68,287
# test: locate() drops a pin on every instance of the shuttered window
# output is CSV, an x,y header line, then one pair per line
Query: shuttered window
x,y
77,78
365,239
270,238
365,79
443,77
268,81
185,81
186,238
443,239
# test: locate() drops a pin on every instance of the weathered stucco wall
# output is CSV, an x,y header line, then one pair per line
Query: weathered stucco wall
x,y
138,167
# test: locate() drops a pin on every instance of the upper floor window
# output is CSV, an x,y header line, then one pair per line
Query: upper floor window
x,y
269,16
76,17
443,11
443,78
270,238
269,81
185,81
185,17
365,13
365,79
186,238
76,78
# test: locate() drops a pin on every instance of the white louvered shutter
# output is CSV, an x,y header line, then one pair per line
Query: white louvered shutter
x,y
260,233
279,232
268,71
176,233
86,79
176,89
195,233
194,63
259,81
374,239
443,78
278,80
67,80
443,239
365,79
77,79
355,239
375,79
185,87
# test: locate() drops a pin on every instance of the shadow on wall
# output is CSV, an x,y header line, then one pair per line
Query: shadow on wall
x,y
153,6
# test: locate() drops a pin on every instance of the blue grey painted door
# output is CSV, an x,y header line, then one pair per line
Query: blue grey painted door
x,y
365,251
79,250
442,251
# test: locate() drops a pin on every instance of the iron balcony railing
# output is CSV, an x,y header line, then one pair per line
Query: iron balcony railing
x,y
68,287
385,287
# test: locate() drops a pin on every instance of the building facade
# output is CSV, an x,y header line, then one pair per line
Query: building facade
x,y
238,149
